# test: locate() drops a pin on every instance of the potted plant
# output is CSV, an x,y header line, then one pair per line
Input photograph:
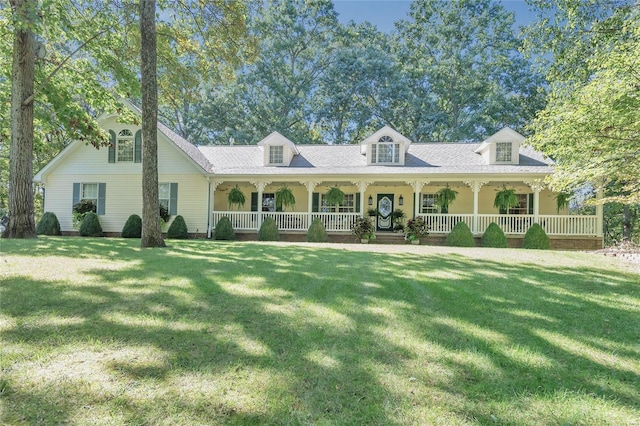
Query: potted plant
x,y
505,199
236,197
372,212
562,200
416,229
334,196
397,216
284,198
444,197
363,230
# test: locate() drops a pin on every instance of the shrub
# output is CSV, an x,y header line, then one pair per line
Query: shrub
x,y
178,229
269,230
90,226
48,225
536,238
363,229
133,227
317,233
80,210
494,237
224,230
460,236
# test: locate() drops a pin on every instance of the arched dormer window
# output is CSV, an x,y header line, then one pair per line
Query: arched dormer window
x,y
124,148
385,151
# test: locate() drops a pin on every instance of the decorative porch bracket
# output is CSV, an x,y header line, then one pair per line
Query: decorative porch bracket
x,y
417,186
475,186
362,186
536,186
260,186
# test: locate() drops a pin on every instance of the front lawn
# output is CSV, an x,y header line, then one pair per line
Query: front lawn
x,y
101,332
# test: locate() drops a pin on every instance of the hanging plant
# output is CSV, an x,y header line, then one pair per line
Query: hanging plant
x,y
562,200
505,199
284,198
236,197
334,196
444,197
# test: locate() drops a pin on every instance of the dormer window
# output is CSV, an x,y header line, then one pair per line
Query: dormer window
x,y
385,151
276,154
125,146
503,152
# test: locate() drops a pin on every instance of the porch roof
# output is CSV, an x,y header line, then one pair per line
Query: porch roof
x,y
427,158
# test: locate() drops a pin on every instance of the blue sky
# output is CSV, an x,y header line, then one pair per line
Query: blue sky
x,y
383,13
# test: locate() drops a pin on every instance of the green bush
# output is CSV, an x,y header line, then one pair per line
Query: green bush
x,y
48,225
317,233
460,236
269,230
224,230
133,227
178,229
90,226
536,238
494,237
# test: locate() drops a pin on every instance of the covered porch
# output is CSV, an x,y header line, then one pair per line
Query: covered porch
x,y
473,205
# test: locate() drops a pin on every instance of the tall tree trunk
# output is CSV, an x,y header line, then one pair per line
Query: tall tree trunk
x,y
21,219
151,233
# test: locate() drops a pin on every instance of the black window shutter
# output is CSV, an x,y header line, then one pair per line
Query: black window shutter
x,y
76,194
102,192
254,201
173,199
530,204
112,147
315,202
357,202
137,147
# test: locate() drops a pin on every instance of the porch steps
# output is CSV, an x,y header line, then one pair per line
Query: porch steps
x,y
389,238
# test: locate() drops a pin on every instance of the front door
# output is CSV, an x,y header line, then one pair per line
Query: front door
x,y
385,208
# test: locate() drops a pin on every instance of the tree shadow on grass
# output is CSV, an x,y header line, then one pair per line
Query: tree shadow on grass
x,y
257,334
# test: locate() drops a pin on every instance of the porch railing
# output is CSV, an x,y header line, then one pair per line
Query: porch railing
x,y
438,223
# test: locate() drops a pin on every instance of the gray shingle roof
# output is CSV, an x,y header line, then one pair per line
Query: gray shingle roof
x,y
428,158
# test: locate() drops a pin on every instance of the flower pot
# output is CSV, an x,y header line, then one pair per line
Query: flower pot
x,y
415,242
364,240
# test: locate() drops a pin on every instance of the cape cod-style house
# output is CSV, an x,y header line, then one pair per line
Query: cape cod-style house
x,y
386,171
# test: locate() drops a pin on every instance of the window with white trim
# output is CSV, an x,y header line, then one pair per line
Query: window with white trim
x,y
429,203
89,192
164,194
347,206
124,148
276,154
269,201
503,152
385,151
523,205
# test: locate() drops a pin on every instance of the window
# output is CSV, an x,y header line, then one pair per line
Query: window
x,y
93,192
348,206
168,197
89,192
276,154
125,146
269,201
522,207
385,151
429,203
503,152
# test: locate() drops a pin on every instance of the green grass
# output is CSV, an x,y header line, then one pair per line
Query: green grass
x,y
100,332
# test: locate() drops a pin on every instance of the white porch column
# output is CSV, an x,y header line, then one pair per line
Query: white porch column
x,y
260,185
475,186
417,186
310,185
213,185
536,186
599,213
362,187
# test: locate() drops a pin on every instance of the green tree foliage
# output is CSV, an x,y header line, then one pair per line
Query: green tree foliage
x,y
48,225
460,236
462,59
317,232
494,237
178,229
268,230
132,227
224,230
536,238
90,226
